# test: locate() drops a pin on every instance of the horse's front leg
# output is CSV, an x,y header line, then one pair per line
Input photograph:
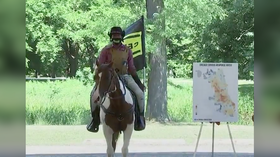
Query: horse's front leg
x,y
126,138
108,133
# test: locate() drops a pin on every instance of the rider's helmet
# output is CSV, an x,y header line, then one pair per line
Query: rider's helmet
x,y
116,34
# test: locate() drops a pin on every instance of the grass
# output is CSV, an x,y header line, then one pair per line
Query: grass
x,y
67,103
76,135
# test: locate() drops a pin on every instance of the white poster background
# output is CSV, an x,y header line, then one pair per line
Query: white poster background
x,y
207,110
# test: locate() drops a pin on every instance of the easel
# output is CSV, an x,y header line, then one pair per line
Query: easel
x,y
213,133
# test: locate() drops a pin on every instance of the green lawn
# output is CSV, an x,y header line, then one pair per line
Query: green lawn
x,y
77,134
67,102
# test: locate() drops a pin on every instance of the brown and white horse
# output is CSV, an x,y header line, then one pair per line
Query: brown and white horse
x,y
117,109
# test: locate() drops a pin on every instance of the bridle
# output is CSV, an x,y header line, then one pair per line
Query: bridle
x,y
114,75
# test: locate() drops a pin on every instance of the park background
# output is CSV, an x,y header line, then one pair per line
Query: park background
x,y
63,39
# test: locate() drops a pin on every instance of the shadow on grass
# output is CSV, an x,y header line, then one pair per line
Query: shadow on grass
x,y
174,85
246,90
144,154
176,123
179,123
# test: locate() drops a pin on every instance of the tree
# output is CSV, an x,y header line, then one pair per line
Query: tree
x,y
65,36
157,79
231,39
185,24
180,25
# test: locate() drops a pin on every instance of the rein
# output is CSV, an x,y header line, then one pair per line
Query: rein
x,y
108,92
120,116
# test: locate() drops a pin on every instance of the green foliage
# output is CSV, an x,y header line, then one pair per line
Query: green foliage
x,y
63,38
68,102
184,24
85,76
69,34
59,31
229,40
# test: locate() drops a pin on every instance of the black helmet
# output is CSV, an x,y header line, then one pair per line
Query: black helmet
x,y
116,30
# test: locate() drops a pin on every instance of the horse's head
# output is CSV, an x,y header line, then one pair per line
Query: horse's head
x,y
105,78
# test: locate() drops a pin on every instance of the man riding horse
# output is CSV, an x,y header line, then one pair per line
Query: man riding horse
x,y
122,58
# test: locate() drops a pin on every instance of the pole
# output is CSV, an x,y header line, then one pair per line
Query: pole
x,y
199,134
231,139
213,133
144,80
213,138
144,58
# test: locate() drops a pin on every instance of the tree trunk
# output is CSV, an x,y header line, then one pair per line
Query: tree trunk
x,y
71,49
157,79
157,83
92,58
74,51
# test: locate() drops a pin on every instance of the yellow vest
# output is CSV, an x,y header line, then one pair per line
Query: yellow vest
x,y
119,59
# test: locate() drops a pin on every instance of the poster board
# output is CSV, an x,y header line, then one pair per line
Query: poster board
x,y
215,92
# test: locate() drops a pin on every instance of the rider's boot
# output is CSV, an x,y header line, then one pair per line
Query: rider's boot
x,y
93,126
140,122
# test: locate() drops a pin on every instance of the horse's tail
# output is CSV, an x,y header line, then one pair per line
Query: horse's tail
x,y
115,139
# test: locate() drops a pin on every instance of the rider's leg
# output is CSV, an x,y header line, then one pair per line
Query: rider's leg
x,y
140,98
93,126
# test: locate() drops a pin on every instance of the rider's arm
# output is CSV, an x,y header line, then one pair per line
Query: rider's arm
x,y
130,63
103,57
131,68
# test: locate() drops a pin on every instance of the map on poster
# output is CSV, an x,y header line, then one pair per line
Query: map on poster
x,y
215,92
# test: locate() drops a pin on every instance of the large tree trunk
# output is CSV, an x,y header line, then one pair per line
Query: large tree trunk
x,y
71,50
157,80
91,51
74,59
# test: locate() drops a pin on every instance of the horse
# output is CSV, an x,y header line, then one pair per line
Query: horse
x,y
117,109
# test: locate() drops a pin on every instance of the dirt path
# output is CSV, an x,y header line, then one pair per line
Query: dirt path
x,y
146,148
149,155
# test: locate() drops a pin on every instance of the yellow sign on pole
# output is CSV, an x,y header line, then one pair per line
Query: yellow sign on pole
x,y
133,41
